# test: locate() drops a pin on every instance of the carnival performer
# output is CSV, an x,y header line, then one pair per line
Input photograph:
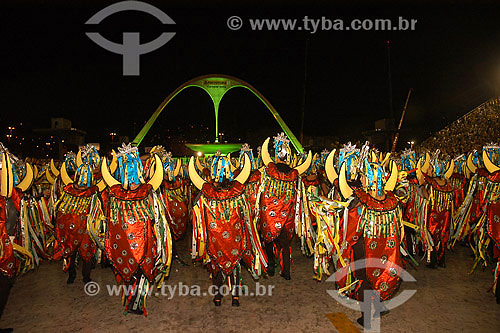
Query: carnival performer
x,y
472,209
371,229
14,258
73,211
379,230
281,206
173,195
487,229
223,230
415,206
137,239
441,209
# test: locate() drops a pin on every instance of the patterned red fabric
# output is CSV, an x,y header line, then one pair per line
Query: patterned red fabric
x,y
227,235
493,215
252,187
410,205
130,241
277,214
382,249
177,210
71,228
458,182
7,259
388,203
352,237
439,222
385,250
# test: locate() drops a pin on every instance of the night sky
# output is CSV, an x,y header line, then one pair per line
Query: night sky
x,y
50,68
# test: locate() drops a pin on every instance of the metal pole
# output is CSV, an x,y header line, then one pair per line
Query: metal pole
x,y
396,137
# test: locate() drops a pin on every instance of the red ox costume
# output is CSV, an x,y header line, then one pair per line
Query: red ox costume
x,y
487,229
14,258
281,206
137,239
471,209
73,210
369,227
71,228
441,199
223,230
173,195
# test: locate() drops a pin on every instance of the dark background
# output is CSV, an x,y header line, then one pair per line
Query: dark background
x,y
51,69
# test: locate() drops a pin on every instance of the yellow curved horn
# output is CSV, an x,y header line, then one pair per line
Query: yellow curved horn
x,y
35,172
245,172
304,166
420,175
385,162
157,177
345,189
427,163
66,179
198,164
490,166
449,172
470,164
194,176
7,178
331,173
108,178
49,177
79,160
114,162
264,152
374,158
53,168
178,166
393,178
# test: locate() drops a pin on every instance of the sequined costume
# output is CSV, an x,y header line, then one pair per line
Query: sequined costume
x,y
72,211
281,206
137,239
223,231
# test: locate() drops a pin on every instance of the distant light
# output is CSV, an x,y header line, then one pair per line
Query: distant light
x,y
198,153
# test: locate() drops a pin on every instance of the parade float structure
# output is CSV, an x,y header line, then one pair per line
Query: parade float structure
x,y
217,85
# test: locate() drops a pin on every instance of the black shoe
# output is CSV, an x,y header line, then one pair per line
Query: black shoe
x,y
270,271
217,302
286,277
138,312
71,279
6,330
86,280
236,302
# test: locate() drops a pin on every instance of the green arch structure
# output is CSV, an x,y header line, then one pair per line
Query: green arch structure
x,y
217,85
